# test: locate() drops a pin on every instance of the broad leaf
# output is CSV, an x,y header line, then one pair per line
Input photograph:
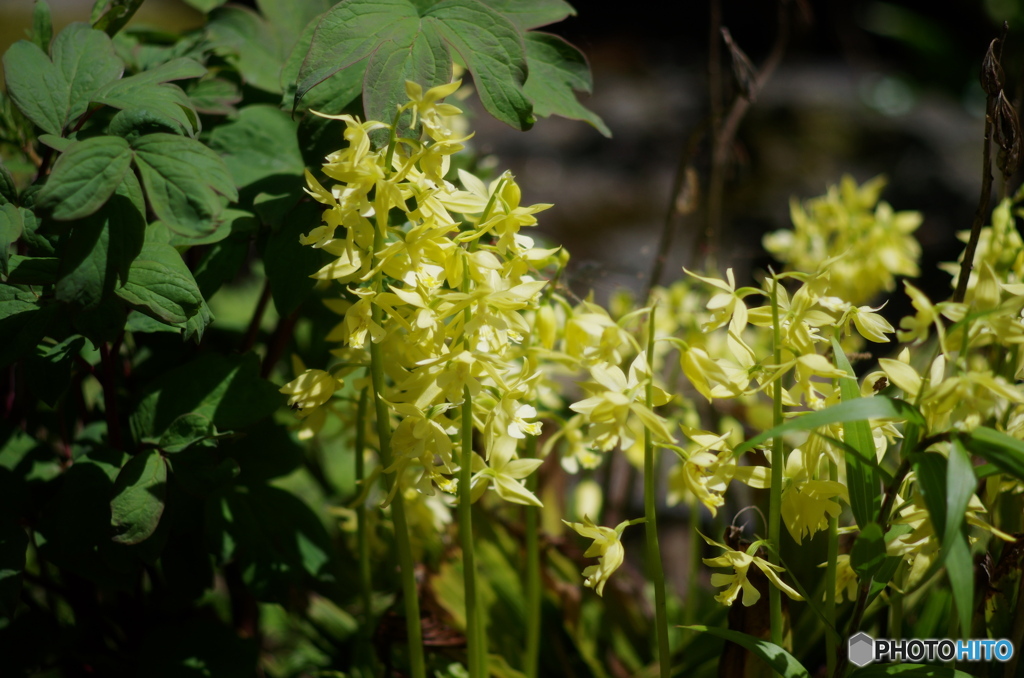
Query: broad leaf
x,y
227,390
876,407
150,93
8,190
492,48
161,285
776,657
426,61
186,430
527,14
32,270
139,494
258,144
99,252
84,176
289,264
215,96
556,69
349,33
868,552
250,43
11,226
182,178
55,90
23,322
49,370
290,17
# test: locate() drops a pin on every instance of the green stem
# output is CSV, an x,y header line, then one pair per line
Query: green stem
x,y
778,463
654,567
362,536
831,650
696,547
473,625
403,544
533,618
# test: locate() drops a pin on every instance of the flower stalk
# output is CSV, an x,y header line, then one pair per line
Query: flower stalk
x,y
778,466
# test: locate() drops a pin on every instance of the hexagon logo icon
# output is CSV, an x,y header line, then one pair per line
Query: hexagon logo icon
x,y
860,649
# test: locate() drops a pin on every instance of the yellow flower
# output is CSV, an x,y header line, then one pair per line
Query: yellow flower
x,y
310,390
734,583
606,548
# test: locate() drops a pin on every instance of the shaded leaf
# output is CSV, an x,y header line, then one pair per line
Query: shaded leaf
x,y
186,430
862,466
556,69
23,322
183,178
49,370
997,448
84,176
54,90
11,226
250,44
868,553
13,544
32,270
215,96
139,493
225,389
773,655
160,285
288,263
259,143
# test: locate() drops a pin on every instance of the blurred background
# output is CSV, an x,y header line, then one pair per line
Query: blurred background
x,y
865,87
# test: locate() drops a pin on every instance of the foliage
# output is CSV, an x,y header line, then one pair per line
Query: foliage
x,y
394,499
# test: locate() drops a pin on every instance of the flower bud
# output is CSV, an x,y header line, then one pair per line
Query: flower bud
x,y
991,71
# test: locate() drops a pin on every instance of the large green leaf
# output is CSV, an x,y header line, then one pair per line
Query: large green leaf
x,y
527,14
876,407
868,552
997,448
150,94
776,657
8,189
11,227
183,178
54,90
250,43
161,285
215,96
84,176
349,32
98,253
862,466
227,390
258,144
556,69
425,61
289,264
24,320
290,17
492,48
139,494
49,370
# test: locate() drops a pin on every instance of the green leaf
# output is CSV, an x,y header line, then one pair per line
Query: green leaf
x,y
250,44
777,658
556,69
11,226
425,61
139,494
23,322
231,222
49,370
909,670
55,142
492,48
182,178
349,32
221,263
868,553
42,25
527,14
215,96
876,407
101,323
161,285
288,263
150,95
277,539
99,252
116,14
84,176
332,94
290,17
13,544
8,189
53,91
267,451
258,144
997,448
32,270
862,467
186,430
205,6
225,389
